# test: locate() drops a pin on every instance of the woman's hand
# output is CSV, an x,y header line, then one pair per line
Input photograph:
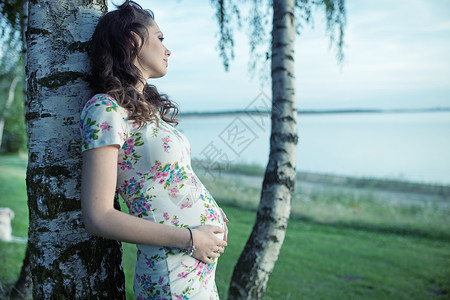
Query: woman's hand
x,y
207,244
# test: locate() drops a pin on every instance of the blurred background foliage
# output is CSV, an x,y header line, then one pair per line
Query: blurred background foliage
x,y
11,72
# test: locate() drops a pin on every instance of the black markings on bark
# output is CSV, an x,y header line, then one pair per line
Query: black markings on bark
x,y
78,46
38,186
288,119
283,137
36,31
274,177
289,57
32,87
62,78
32,115
279,69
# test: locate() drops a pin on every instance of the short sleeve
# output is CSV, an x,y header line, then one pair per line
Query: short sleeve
x,y
102,122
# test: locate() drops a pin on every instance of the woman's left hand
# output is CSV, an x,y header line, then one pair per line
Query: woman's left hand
x,y
225,219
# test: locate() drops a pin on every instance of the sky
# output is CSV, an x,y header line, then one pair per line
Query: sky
x,y
396,55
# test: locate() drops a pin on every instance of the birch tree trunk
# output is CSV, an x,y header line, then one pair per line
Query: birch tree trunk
x,y
256,262
65,262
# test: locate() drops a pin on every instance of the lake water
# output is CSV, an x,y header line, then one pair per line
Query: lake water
x,y
407,146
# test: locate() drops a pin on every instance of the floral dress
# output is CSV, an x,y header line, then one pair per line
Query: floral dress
x,y
157,183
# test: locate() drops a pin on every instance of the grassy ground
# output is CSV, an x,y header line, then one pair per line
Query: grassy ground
x,y
13,195
340,243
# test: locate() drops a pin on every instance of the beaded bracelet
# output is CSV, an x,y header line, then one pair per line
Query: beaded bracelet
x,y
190,250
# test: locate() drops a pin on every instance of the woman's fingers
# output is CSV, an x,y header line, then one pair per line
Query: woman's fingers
x,y
225,219
225,235
207,260
217,229
208,245
221,243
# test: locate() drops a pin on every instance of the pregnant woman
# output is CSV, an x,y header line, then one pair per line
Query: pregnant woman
x,y
129,145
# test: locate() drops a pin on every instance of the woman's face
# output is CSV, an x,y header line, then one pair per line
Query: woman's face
x,y
153,57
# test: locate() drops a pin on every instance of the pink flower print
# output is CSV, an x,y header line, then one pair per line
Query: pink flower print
x,y
149,261
173,192
126,185
161,280
166,216
182,157
146,206
178,297
140,206
183,274
186,204
154,169
199,268
105,126
166,142
125,165
211,214
161,181
131,187
128,146
175,222
205,284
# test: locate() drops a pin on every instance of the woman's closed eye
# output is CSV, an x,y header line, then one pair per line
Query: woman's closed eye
x,y
161,38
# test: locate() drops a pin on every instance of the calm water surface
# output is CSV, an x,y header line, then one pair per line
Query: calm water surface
x,y
409,146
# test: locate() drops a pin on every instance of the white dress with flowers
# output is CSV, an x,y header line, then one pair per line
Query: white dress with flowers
x,y
157,182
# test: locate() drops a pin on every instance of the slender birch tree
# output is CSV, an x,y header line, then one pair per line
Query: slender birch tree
x,y
261,251
11,74
9,101
65,262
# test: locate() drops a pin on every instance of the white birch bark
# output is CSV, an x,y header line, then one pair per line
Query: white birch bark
x,y
66,263
257,261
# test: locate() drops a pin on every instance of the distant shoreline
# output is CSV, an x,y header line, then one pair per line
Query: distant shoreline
x,y
324,111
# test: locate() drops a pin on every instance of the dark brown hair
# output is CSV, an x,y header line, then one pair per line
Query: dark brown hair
x,y
114,46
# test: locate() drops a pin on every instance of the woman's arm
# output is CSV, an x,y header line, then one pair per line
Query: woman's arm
x,y
98,185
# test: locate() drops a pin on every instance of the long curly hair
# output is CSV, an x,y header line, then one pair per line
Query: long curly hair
x,y
113,48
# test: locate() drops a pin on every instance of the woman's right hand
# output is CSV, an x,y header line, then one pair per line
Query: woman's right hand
x,y
207,244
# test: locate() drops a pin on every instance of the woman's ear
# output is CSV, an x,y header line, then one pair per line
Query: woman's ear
x,y
135,39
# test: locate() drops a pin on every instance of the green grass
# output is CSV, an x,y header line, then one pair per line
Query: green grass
x,y
13,195
359,208
328,253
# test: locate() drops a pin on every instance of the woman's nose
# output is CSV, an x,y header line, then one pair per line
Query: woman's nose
x,y
168,53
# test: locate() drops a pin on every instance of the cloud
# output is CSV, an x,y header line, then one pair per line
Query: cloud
x,y
396,50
